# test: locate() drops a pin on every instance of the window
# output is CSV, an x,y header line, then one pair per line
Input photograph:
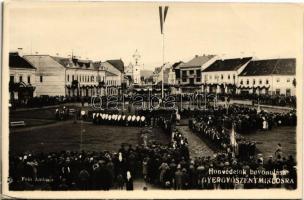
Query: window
x,y
20,78
222,76
278,80
288,92
253,81
288,80
247,82
72,77
241,82
233,77
92,78
228,76
191,71
29,80
260,81
41,79
198,79
277,92
184,73
210,77
198,73
12,79
68,78
184,80
267,82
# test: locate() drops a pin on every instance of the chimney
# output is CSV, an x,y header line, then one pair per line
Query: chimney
x,y
20,51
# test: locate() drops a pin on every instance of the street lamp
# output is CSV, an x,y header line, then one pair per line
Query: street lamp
x,y
81,129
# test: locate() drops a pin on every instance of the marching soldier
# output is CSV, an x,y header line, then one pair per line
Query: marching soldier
x,y
129,120
138,121
142,121
123,120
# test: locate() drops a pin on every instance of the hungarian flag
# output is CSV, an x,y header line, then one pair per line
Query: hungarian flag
x,y
162,17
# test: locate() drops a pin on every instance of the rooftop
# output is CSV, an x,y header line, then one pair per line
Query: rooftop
x,y
227,64
118,64
284,66
16,61
197,61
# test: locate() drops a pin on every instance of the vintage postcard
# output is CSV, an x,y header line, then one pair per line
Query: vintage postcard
x,y
152,100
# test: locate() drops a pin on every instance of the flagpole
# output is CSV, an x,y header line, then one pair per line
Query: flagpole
x,y
163,62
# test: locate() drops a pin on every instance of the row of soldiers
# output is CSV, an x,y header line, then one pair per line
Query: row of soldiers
x,y
220,137
118,119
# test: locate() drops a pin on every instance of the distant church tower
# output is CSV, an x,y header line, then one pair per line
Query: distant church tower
x,y
136,68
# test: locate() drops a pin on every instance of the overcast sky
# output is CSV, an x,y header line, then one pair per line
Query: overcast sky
x,y
102,31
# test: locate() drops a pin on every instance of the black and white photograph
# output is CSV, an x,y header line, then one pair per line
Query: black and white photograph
x,y
152,98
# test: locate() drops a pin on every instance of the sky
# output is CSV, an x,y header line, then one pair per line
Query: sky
x,y
102,31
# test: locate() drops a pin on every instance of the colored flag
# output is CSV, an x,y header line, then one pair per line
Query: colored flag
x,y
162,17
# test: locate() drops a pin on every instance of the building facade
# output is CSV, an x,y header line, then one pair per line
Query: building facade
x,y
191,73
50,75
222,75
271,76
22,78
60,76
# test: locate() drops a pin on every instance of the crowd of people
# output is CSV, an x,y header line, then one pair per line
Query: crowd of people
x,y
167,166
246,119
164,166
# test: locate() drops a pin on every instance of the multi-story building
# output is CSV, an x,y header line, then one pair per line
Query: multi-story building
x,y
59,76
22,78
222,75
191,73
271,76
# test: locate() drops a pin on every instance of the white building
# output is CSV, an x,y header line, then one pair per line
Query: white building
x,y
22,78
222,75
271,76
50,75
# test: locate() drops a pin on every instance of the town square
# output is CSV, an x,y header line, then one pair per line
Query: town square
x,y
140,102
